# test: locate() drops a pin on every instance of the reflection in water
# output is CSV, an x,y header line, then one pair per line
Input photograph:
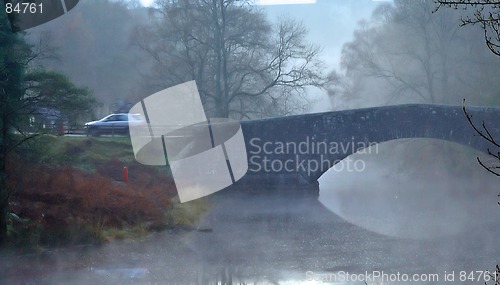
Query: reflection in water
x,y
276,239
426,203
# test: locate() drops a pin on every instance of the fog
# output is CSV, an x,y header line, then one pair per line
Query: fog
x,y
426,201
416,206
429,228
331,23
407,52
373,53
117,67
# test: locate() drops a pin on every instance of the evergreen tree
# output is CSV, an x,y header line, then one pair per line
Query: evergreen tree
x,y
14,54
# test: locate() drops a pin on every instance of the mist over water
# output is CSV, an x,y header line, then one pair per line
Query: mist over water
x,y
417,206
393,217
427,202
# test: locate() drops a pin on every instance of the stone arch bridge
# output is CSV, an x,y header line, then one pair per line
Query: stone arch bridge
x,y
291,153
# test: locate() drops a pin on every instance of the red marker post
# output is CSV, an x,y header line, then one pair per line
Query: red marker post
x,y
125,174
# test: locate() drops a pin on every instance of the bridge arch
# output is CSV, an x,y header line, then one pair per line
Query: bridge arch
x,y
297,150
414,197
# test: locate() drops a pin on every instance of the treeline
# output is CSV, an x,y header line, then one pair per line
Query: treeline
x,y
409,52
247,67
244,66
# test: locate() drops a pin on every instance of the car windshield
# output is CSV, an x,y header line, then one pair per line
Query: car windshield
x,y
108,118
136,117
249,142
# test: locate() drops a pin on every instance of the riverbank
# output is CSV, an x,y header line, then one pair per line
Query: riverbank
x,y
72,191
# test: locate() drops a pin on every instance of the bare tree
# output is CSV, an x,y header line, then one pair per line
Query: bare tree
x,y
486,14
495,276
485,134
242,64
405,53
408,52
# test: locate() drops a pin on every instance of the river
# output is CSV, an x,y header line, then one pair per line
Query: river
x,y
358,228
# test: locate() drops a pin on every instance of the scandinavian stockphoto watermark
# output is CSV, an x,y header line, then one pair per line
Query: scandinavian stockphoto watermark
x,y
204,155
307,155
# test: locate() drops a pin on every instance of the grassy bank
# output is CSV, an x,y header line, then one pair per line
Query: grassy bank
x,y
70,190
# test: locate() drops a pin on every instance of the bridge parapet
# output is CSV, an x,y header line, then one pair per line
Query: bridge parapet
x,y
297,150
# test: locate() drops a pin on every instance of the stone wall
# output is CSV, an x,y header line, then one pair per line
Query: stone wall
x,y
297,150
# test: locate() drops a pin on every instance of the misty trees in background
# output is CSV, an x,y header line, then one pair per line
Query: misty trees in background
x,y
243,66
486,13
407,53
93,44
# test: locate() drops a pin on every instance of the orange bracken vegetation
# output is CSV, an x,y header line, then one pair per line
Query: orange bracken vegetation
x,y
69,206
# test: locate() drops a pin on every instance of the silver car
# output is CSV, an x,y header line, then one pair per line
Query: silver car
x,y
114,124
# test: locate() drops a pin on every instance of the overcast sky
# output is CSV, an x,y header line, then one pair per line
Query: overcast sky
x,y
330,22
